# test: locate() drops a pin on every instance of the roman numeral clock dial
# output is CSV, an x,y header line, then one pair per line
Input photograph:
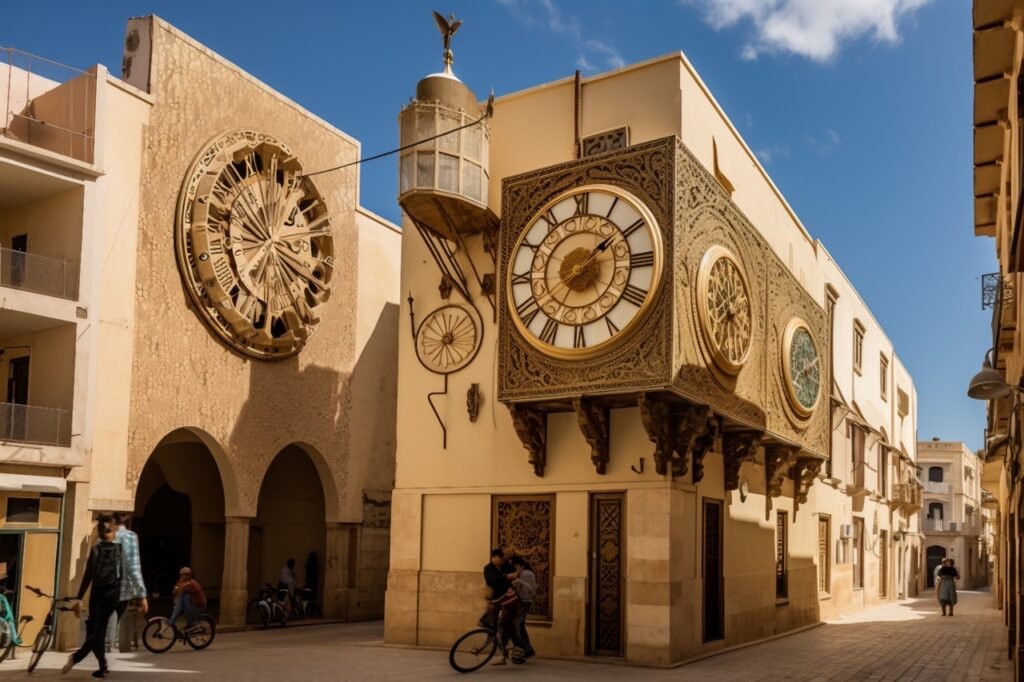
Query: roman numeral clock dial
x,y
584,272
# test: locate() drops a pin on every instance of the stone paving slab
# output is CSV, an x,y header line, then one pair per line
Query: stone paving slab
x,y
906,641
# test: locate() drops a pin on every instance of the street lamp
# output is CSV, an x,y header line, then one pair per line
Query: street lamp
x,y
988,384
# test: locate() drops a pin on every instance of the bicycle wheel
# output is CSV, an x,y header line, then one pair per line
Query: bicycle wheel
x,y
39,647
472,651
201,635
6,640
264,615
159,635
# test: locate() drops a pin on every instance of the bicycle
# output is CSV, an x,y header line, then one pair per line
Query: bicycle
x,y
304,606
268,606
160,634
474,649
45,636
8,634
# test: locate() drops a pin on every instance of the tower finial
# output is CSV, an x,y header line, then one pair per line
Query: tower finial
x,y
448,27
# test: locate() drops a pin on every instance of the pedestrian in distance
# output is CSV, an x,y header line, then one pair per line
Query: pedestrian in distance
x,y
103,574
132,600
948,577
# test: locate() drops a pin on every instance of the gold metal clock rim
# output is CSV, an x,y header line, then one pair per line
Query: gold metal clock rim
x,y
185,269
712,256
657,247
477,325
787,367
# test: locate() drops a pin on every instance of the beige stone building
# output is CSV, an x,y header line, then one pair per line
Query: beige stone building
x,y
955,522
219,356
630,362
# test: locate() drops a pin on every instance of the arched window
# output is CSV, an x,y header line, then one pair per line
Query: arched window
x,y
935,474
935,510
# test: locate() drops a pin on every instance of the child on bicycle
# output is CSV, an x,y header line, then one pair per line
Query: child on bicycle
x,y
189,598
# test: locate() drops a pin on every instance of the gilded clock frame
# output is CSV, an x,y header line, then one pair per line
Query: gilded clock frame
x,y
787,368
715,253
657,247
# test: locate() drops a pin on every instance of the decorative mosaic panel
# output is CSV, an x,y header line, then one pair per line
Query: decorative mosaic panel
x,y
525,525
607,574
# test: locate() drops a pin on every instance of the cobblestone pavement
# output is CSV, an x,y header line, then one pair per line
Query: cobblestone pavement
x,y
906,641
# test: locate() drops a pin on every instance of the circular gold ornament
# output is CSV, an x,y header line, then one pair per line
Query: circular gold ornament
x,y
448,339
254,244
801,366
584,272
726,315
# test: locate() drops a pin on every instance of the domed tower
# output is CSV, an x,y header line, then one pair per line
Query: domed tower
x,y
443,176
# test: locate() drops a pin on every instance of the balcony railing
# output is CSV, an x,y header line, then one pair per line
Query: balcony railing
x,y
43,275
934,524
31,424
936,488
906,495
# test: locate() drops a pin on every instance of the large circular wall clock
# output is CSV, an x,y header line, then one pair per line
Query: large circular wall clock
x,y
723,301
254,244
801,367
585,272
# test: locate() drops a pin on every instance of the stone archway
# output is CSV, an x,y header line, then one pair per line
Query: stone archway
x,y
290,520
179,516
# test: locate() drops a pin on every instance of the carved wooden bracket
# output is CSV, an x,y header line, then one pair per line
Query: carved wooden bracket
x,y
778,460
594,423
805,471
531,426
691,424
656,415
738,447
701,447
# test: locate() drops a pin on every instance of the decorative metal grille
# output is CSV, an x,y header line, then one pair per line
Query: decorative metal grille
x,y
883,562
607,549
525,525
780,555
823,554
605,142
995,287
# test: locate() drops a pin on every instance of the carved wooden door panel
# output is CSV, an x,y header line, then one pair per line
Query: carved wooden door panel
x,y
714,584
607,575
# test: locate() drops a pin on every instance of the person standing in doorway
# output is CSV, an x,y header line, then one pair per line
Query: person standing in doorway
x,y
103,574
948,576
132,602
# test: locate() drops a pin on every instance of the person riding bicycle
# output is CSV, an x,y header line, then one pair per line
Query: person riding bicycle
x,y
189,598
505,606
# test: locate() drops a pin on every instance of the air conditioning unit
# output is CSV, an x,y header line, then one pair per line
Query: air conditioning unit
x,y
954,526
846,531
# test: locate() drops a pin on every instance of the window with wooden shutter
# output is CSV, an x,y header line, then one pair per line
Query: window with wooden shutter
x,y
824,556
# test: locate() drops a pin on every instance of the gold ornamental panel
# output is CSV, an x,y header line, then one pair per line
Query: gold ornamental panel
x,y
726,313
254,244
525,525
801,367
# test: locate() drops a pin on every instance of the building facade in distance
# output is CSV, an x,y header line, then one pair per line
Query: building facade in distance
x,y
630,363
955,522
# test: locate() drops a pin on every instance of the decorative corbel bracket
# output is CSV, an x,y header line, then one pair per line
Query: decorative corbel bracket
x,y
594,423
701,447
778,460
692,423
656,415
531,426
738,447
805,471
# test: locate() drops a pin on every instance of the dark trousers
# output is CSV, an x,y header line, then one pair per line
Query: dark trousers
x,y
524,636
508,619
102,603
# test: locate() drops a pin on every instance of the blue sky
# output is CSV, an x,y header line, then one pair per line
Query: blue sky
x,y
859,109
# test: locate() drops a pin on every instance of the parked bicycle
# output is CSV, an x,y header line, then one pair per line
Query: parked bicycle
x,y
474,649
269,607
45,635
8,629
160,634
303,605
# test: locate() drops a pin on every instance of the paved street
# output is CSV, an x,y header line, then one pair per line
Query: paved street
x,y
902,642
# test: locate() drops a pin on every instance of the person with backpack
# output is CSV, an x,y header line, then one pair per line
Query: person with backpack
x,y
103,573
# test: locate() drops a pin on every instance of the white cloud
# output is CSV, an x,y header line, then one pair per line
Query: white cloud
x,y
825,143
772,153
593,54
815,29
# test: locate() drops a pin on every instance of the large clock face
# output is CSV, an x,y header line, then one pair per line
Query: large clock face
x,y
725,309
254,244
585,271
801,366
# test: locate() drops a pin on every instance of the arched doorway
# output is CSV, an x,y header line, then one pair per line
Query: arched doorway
x,y
934,555
289,522
179,516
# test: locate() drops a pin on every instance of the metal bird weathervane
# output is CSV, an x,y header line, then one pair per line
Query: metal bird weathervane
x,y
448,27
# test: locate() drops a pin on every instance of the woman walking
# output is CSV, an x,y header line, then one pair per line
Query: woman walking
x,y
103,572
948,576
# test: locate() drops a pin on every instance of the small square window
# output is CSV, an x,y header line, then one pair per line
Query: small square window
x,y
22,510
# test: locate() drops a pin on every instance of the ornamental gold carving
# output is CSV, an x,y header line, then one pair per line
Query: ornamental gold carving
x,y
594,424
778,460
805,471
726,313
254,245
738,447
531,425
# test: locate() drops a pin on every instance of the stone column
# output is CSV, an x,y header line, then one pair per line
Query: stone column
x,y
234,586
339,570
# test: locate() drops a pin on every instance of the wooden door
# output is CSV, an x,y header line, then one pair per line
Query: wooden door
x,y
714,580
607,575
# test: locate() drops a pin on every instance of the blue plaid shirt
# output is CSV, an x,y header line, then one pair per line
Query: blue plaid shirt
x,y
132,585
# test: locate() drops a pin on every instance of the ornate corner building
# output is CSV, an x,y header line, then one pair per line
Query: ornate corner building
x,y
678,409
